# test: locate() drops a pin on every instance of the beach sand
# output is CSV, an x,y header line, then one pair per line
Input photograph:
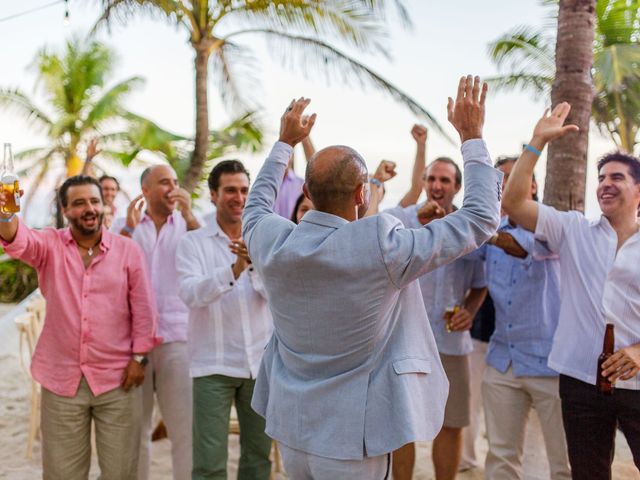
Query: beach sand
x,y
14,421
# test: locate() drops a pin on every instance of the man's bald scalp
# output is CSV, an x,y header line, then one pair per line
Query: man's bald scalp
x,y
332,176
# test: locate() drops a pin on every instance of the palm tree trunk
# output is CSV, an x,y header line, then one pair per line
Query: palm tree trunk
x,y
567,160
194,172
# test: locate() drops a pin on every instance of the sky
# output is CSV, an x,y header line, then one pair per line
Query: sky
x,y
448,39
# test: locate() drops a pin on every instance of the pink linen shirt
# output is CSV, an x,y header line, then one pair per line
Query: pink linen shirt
x,y
290,191
96,317
160,252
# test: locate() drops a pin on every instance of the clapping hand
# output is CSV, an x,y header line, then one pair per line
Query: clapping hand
x,y
134,211
294,125
430,211
550,126
466,114
239,248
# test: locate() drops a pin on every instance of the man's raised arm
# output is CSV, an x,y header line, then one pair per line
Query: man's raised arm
x,y
293,128
515,200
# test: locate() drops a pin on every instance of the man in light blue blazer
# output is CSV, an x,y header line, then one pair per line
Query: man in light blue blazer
x,y
352,371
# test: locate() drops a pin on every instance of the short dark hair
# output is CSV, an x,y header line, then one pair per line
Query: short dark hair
x,y
109,177
504,159
450,162
225,166
74,182
629,160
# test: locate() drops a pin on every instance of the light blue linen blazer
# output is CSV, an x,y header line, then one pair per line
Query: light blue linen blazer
x,y
352,369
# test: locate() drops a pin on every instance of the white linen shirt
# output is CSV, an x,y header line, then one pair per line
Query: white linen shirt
x,y
160,252
597,286
229,320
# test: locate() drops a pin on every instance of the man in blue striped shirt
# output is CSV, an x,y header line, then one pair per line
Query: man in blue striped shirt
x,y
525,293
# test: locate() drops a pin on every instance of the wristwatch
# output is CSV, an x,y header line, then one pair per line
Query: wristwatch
x,y
141,359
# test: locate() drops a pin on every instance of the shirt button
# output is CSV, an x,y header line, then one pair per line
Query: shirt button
x,y
251,269
514,282
509,326
512,346
509,302
231,284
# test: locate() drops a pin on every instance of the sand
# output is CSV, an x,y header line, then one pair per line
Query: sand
x,y
14,421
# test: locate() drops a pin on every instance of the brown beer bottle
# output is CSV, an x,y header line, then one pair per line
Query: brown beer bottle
x,y
603,384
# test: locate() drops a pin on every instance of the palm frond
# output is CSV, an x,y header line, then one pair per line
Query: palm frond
x,y
110,104
303,54
233,70
172,11
16,101
616,65
353,22
617,22
523,48
537,85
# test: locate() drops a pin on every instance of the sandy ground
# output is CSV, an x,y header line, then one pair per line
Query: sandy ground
x,y
14,420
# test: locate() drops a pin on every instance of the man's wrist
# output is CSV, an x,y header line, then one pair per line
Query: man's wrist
x,y
538,143
129,230
292,143
472,135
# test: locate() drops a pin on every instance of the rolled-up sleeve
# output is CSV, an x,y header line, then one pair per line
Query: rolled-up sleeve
x,y
551,225
142,302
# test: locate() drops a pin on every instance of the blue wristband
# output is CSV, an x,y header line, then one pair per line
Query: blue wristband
x,y
7,219
532,149
128,229
375,181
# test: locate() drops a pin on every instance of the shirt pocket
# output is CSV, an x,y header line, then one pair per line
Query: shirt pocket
x,y
412,365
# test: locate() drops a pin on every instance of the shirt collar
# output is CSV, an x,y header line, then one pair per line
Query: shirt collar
x,y
105,241
212,229
147,218
324,219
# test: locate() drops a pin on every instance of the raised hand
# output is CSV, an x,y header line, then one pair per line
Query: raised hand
x,y
551,126
430,211
239,248
419,134
385,171
294,125
134,211
466,114
508,244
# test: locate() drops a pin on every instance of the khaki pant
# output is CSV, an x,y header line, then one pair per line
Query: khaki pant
x,y
507,400
167,375
470,434
66,433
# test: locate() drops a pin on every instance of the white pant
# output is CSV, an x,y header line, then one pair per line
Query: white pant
x,y
470,434
167,373
304,466
507,401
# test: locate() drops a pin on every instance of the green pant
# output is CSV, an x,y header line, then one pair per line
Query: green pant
x,y
212,399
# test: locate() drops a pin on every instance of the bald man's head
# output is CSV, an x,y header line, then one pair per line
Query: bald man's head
x,y
333,175
157,182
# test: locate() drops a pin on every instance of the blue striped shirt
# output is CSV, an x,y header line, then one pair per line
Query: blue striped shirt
x,y
526,297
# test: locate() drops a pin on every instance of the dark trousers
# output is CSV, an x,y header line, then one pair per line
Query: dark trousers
x,y
590,420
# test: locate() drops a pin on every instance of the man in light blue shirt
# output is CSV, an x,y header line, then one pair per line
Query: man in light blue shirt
x,y
526,297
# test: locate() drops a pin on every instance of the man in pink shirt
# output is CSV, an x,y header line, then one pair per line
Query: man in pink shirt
x,y
167,217
99,327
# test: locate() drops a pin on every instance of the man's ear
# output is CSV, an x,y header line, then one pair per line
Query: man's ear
x,y
458,187
305,191
361,193
214,196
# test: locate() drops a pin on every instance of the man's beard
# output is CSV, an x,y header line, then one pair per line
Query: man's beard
x,y
76,223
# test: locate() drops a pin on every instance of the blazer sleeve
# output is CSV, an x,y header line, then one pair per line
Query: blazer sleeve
x,y
410,253
259,222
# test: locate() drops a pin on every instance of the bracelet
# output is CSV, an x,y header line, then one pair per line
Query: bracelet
x,y
128,229
532,149
7,219
375,181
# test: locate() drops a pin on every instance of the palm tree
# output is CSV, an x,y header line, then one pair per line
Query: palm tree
x,y
528,55
301,27
566,178
84,108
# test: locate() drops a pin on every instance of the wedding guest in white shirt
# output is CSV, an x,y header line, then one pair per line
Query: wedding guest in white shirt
x,y
599,285
229,327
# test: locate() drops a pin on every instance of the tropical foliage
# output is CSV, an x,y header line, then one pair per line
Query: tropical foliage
x,y
82,104
526,54
301,33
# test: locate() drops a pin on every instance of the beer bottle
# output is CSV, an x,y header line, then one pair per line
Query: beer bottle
x,y
9,182
603,384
